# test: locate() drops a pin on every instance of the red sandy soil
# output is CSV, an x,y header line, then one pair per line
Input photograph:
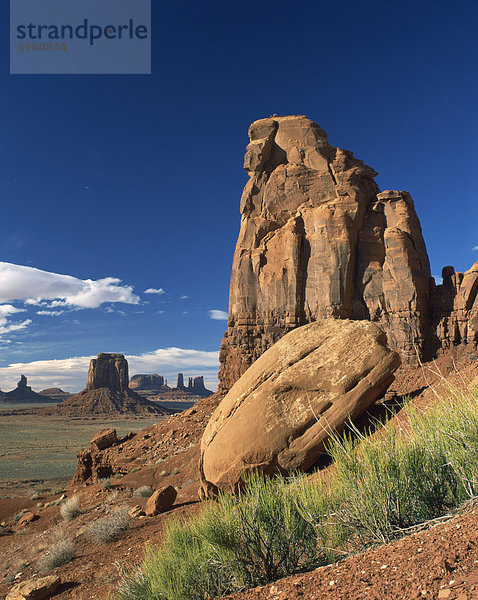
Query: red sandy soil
x,y
422,565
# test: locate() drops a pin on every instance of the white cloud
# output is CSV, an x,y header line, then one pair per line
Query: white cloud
x,y
154,291
51,313
70,373
6,311
475,248
35,287
184,297
438,279
218,315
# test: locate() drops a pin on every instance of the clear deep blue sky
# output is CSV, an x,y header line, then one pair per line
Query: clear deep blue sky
x,y
140,177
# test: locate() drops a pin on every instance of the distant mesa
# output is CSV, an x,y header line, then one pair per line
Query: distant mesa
x,y
107,392
23,394
156,387
56,394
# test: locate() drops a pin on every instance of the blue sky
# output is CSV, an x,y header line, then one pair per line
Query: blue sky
x,y
134,181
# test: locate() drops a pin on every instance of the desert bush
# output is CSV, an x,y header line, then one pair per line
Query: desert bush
x,y
239,542
70,509
449,428
144,491
59,554
109,528
386,484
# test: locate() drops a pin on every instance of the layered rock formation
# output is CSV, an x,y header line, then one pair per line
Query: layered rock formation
x,y
23,393
279,414
155,386
455,308
318,239
107,392
146,382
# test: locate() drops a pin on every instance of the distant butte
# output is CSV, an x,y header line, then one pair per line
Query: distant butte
x,y
107,392
155,386
23,394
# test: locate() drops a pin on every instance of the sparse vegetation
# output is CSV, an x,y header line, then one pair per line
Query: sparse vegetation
x,y
381,486
144,491
109,528
59,554
175,471
70,509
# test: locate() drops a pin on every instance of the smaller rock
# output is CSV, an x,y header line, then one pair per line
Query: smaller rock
x,y
34,589
136,511
28,517
105,439
160,501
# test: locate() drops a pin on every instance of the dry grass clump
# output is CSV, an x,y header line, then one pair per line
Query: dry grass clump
x,y
109,528
70,509
59,554
145,491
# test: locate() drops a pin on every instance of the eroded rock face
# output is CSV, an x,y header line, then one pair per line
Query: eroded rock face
x,y
318,239
278,415
108,371
455,308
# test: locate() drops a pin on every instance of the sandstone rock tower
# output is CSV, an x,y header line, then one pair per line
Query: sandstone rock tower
x,y
107,391
318,239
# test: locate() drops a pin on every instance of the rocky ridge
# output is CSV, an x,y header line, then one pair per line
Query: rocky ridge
x,y
319,239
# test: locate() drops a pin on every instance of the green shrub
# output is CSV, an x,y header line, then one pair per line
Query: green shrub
x,y
239,542
109,528
59,554
450,428
386,484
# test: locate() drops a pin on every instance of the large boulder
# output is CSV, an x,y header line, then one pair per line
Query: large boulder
x,y
160,501
279,414
35,589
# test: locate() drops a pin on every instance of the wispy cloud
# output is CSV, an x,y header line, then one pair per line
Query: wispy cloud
x,y
6,312
475,248
218,315
70,373
184,297
42,288
51,313
154,291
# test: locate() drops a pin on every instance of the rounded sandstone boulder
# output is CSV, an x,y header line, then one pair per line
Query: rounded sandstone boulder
x,y
279,414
